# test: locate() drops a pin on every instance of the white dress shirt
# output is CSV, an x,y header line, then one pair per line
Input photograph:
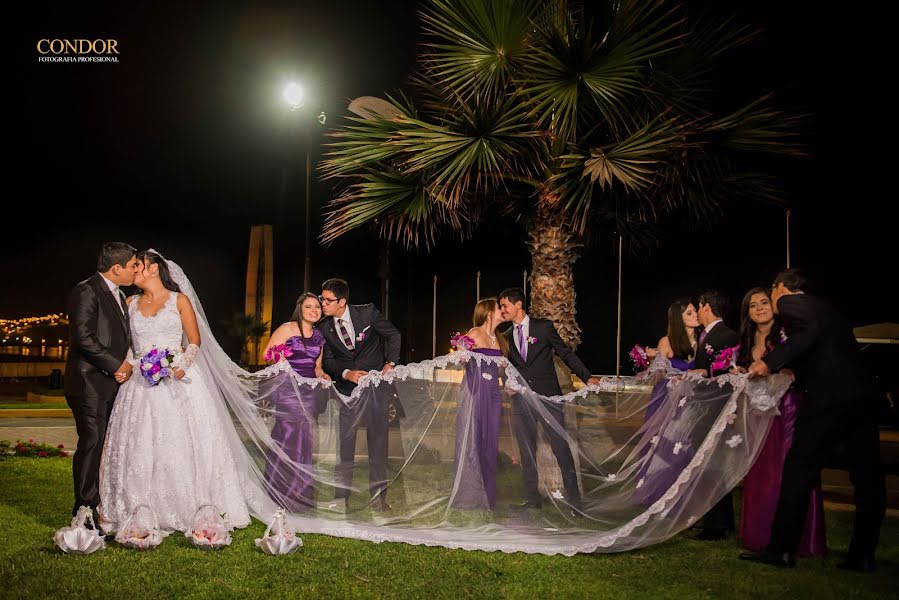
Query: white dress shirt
x,y
114,290
708,328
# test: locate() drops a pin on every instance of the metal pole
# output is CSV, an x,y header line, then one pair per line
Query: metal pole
x,y
478,288
788,238
618,336
434,323
307,267
524,283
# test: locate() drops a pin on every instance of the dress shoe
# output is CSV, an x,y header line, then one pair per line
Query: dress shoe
x,y
526,505
380,505
784,560
862,565
713,535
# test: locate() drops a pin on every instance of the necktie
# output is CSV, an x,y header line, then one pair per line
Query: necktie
x,y
347,340
702,336
522,343
123,302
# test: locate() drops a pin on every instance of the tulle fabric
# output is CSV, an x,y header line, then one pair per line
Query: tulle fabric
x,y
444,486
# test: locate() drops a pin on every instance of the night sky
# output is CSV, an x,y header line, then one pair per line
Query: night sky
x,y
185,143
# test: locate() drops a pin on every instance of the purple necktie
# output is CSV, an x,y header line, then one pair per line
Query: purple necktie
x,y
347,340
522,346
702,337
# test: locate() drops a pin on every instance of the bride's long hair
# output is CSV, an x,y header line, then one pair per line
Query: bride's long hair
x,y
483,310
165,276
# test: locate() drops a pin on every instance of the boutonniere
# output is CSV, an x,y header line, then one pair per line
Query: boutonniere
x,y
783,336
709,350
361,335
532,340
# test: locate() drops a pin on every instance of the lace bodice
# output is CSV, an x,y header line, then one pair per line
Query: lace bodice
x,y
162,330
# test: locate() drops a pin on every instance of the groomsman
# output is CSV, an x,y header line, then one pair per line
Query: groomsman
x,y
718,523
838,408
358,339
532,345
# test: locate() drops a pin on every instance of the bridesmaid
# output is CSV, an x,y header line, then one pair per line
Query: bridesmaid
x,y
679,346
760,332
300,343
478,415
660,465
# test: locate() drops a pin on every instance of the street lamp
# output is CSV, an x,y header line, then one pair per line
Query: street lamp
x,y
295,97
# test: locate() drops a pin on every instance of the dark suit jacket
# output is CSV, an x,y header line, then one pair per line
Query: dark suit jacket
x,y
380,345
822,351
720,337
539,370
99,337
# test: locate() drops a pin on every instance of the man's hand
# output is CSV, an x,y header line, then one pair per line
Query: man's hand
x,y
387,368
355,376
594,381
758,369
123,373
702,372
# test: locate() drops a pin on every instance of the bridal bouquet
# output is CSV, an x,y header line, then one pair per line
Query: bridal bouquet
x,y
156,364
276,352
726,358
639,358
462,342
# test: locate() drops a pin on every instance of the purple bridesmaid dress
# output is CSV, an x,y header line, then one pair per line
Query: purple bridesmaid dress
x,y
477,435
761,488
295,419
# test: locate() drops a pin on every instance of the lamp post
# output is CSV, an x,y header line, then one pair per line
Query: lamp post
x,y
295,97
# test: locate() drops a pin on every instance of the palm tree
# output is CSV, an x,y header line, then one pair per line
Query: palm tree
x,y
248,329
577,124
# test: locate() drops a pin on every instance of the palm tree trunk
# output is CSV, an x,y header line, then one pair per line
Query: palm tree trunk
x,y
554,250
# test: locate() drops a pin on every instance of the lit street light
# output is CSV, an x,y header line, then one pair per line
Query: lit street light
x,y
295,97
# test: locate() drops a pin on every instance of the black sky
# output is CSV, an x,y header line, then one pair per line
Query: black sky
x,y
183,145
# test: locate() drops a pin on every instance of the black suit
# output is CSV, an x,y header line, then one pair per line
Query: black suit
x,y
838,407
99,337
379,345
720,519
539,371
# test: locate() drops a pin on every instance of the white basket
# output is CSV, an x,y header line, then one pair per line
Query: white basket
x,y
78,539
278,539
210,529
141,530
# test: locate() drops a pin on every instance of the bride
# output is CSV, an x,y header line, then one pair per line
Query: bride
x,y
171,446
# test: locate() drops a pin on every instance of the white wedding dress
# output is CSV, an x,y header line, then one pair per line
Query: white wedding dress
x,y
170,446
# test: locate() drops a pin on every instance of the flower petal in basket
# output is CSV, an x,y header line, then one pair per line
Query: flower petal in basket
x,y
141,530
210,529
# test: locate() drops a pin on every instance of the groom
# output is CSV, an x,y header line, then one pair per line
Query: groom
x,y
358,340
532,345
99,338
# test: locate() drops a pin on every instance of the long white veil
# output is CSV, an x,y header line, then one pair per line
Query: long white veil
x,y
453,465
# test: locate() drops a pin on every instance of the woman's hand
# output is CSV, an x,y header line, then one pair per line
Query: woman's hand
x,y
322,375
177,373
737,370
651,353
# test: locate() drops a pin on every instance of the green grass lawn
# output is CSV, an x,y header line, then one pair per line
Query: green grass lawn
x,y
35,499
33,405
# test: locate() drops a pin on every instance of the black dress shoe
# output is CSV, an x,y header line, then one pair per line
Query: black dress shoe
x,y
862,565
381,506
527,504
713,535
784,560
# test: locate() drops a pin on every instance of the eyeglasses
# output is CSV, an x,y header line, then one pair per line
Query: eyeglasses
x,y
327,301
